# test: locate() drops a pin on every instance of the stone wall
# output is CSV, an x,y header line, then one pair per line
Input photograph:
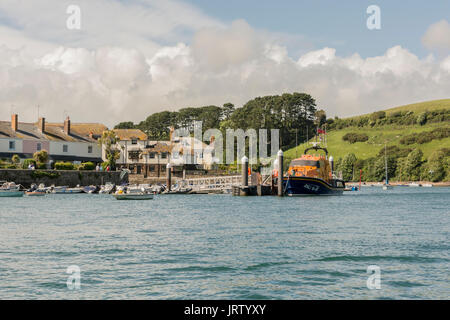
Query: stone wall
x,y
61,177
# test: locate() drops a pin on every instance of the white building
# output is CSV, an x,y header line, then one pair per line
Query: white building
x,y
63,141
140,155
148,157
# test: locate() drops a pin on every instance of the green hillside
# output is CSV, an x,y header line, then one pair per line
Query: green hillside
x,y
417,107
393,126
377,136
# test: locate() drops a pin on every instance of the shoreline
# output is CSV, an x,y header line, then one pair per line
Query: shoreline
x,y
403,183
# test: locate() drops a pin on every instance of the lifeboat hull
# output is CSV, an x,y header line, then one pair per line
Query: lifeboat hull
x,y
300,186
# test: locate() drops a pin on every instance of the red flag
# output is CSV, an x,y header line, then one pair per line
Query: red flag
x,y
320,131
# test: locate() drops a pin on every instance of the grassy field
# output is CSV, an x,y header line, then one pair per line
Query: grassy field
x,y
390,134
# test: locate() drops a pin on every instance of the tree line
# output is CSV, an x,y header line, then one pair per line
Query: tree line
x,y
403,164
294,114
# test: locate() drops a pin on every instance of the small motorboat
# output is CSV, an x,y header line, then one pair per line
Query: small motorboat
x,y
10,189
127,193
66,190
108,188
36,191
91,189
178,190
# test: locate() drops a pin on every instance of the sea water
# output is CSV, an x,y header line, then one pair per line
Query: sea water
x,y
224,247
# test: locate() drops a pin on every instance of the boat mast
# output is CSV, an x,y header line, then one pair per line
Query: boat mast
x,y
385,164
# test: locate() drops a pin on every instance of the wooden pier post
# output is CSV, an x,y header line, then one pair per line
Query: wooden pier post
x,y
244,171
280,173
169,177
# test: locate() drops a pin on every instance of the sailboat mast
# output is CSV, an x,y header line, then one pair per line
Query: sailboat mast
x,y
385,164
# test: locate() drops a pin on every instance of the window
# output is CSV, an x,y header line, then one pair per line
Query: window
x,y
89,149
12,145
134,141
65,148
309,163
152,155
164,155
134,155
39,146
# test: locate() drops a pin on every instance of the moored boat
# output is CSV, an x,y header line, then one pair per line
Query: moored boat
x,y
10,189
127,193
108,188
312,175
36,191
66,190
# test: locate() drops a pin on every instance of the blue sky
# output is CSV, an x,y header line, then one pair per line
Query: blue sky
x,y
338,24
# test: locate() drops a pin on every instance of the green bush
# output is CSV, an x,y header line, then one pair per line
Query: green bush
x,y
27,162
377,115
64,166
87,166
422,118
352,137
425,137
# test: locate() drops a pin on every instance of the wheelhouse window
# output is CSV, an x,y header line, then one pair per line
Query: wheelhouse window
x,y
89,149
65,148
12,145
309,163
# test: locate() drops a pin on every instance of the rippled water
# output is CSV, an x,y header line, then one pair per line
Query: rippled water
x,y
223,247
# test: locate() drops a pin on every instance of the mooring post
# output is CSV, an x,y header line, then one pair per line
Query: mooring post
x,y
169,177
244,171
280,173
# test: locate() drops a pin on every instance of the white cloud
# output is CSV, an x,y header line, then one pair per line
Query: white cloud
x,y
437,36
129,74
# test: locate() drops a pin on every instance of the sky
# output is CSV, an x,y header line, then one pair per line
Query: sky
x,y
131,58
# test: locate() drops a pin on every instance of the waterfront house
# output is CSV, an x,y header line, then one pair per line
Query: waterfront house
x,y
72,142
150,158
140,155
192,153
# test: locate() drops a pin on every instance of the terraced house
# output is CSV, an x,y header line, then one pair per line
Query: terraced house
x,y
73,142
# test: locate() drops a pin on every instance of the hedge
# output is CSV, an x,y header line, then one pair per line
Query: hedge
x,y
64,166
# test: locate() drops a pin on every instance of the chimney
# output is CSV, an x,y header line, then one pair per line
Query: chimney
x,y
67,126
91,135
14,122
172,129
41,124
